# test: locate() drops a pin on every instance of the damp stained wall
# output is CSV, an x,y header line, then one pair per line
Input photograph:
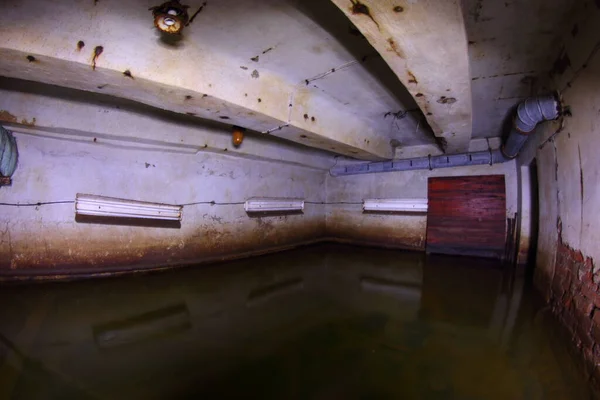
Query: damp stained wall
x,y
569,187
346,221
72,142
46,239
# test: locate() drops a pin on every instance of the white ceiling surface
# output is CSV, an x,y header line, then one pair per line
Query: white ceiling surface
x,y
511,42
305,39
300,39
512,46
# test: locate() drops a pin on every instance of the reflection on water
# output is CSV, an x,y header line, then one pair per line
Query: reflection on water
x,y
315,323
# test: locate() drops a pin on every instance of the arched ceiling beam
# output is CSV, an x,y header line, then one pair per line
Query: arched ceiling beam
x,y
424,42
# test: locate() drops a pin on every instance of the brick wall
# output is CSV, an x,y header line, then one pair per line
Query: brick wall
x,y
575,300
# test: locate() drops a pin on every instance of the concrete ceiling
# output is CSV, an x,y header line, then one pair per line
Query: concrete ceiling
x,y
512,49
359,79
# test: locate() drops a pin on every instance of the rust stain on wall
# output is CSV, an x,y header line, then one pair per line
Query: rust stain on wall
x,y
97,51
7,117
360,8
61,255
412,77
395,48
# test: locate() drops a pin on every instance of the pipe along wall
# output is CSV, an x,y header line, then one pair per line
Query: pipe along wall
x,y
529,113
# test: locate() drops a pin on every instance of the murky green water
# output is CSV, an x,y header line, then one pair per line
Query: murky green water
x,y
323,322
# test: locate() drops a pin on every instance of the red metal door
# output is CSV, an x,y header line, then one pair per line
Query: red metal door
x,y
467,216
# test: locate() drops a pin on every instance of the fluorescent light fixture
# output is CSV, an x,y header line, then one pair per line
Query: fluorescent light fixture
x,y
100,206
396,205
274,205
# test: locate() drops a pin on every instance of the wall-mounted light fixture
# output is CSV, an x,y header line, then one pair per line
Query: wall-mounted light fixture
x,y
274,205
395,205
99,206
237,136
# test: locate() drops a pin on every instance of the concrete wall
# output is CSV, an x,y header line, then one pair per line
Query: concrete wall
x,y
46,238
569,194
346,221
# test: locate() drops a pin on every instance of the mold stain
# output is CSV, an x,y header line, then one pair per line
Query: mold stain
x,y
98,50
80,45
127,73
102,86
267,50
398,9
31,58
355,32
255,58
360,8
476,10
446,100
255,74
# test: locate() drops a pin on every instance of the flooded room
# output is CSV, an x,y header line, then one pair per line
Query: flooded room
x,y
299,199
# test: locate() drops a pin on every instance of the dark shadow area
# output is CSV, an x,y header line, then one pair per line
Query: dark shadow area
x,y
170,41
392,213
535,222
278,288
147,326
140,222
507,123
266,214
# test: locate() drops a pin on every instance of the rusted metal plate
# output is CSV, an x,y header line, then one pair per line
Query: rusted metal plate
x,y
467,216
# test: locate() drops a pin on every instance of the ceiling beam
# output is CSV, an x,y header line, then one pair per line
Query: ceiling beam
x,y
425,44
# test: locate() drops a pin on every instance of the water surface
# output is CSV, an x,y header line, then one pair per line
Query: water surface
x,y
320,322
